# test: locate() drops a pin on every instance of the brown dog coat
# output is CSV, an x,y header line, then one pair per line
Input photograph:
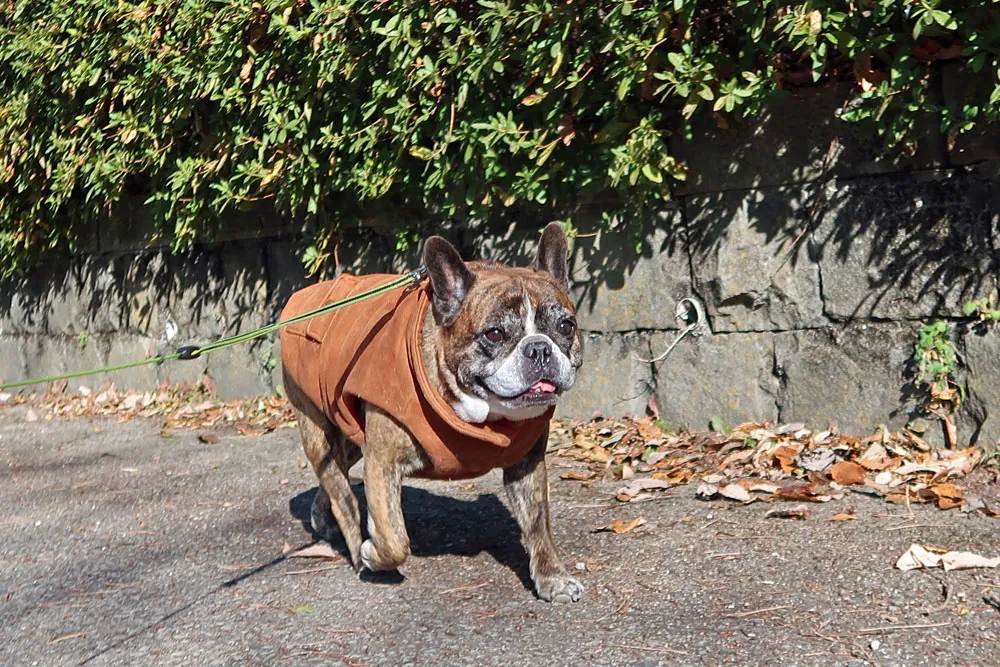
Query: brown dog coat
x,y
371,352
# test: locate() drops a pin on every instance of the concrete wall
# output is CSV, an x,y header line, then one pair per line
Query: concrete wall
x,y
816,257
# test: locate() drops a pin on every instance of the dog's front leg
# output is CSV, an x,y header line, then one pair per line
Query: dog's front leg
x,y
528,491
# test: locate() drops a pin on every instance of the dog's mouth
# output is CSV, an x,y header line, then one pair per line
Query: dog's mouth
x,y
542,387
541,393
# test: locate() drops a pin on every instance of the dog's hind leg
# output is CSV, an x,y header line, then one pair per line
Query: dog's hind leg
x,y
331,456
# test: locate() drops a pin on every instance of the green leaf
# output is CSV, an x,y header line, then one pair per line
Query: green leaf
x,y
719,426
421,152
676,59
652,173
944,19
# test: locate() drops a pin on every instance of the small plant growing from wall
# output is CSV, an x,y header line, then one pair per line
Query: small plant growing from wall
x,y
936,361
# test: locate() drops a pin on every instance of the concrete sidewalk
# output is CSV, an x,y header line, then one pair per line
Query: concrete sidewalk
x,y
119,546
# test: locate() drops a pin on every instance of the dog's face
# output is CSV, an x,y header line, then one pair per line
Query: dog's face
x,y
508,336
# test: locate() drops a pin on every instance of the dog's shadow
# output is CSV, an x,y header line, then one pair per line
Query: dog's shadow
x,y
439,525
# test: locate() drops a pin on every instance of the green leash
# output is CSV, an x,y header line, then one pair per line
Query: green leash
x,y
195,351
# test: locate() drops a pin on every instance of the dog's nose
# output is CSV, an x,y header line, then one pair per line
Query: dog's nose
x,y
539,351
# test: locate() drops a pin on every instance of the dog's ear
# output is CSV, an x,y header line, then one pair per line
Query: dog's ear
x,y
552,254
450,279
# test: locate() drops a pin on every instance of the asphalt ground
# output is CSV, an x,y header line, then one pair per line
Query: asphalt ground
x,y
119,546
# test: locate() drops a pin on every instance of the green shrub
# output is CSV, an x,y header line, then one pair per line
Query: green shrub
x,y
430,108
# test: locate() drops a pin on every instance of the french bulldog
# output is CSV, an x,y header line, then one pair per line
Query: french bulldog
x,y
449,379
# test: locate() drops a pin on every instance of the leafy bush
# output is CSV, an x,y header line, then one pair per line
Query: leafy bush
x,y
428,107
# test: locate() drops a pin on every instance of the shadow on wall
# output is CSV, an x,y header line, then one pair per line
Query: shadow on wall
x,y
822,258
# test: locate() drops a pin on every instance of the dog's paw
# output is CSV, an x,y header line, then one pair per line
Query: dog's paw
x,y
369,557
324,525
559,588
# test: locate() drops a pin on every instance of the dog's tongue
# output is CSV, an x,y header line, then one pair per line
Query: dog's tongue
x,y
543,387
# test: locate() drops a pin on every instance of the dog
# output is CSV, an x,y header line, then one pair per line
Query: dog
x,y
448,379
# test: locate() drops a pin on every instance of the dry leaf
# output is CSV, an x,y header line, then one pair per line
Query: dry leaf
x,y
843,516
847,473
620,526
800,512
800,491
919,557
636,486
785,456
706,491
578,476
318,550
964,560
32,416
735,492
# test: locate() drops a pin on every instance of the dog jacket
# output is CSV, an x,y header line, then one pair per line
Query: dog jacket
x,y
371,352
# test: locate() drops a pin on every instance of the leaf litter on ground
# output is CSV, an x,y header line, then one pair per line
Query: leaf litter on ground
x,y
176,406
763,461
754,461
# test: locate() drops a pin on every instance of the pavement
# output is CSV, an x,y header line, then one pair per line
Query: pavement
x,y
121,544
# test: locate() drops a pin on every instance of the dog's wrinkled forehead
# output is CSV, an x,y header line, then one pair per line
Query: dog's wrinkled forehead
x,y
517,291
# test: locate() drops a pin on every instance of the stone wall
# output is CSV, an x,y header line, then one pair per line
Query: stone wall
x,y
816,257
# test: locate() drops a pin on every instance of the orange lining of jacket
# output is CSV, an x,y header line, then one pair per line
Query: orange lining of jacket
x,y
373,352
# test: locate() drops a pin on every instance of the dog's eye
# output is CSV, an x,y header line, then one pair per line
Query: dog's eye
x,y
567,327
494,335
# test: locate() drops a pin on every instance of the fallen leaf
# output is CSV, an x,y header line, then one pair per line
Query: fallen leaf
x,y
735,492
620,526
883,478
800,491
964,560
32,416
636,486
847,473
785,456
918,557
706,491
654,405
208,439
303,609
843,516
318,550
578,476
800,512
818,460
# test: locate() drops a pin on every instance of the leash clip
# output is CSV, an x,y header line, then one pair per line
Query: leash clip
x,y
417,274
188,352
